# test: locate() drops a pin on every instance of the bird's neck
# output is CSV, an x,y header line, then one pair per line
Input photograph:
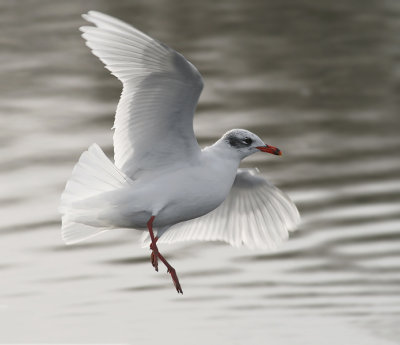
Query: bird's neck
x,y
221,164
221,151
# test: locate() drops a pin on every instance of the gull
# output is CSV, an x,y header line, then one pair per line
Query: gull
x,y
161,181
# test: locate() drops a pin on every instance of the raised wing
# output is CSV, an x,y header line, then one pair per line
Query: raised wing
x,y
154,119
255,214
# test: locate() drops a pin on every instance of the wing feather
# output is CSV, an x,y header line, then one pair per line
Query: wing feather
x,y
154,119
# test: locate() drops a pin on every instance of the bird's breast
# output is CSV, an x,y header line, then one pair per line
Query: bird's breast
x,y
193,192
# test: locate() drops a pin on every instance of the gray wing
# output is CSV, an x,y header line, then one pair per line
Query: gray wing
x,y
154,119
255,214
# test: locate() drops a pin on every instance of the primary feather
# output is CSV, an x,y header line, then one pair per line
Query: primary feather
x,y
160,93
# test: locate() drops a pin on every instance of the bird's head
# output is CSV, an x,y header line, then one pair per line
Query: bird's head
x,y
246,143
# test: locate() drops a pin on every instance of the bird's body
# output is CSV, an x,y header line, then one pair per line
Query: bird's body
x,y
175,194
192,190
161,180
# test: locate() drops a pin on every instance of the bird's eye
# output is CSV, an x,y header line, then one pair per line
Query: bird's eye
x,y
248,141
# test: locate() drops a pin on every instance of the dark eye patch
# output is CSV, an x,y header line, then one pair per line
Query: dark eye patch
x,y
237,142
248,141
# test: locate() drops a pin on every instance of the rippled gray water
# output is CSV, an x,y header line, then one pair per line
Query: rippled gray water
x,y
318,79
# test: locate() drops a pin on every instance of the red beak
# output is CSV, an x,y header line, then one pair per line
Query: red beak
x,y
270,149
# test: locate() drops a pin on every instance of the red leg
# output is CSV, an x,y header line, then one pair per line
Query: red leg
x,y
173,274
153,257
156,254
153,245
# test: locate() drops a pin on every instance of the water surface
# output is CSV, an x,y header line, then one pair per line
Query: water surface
x,y
317,79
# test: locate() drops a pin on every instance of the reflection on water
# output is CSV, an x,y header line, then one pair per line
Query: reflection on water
x,y
317,79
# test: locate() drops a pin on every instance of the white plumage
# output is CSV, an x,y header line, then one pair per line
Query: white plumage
x,y
94,174
160,93
255,214
160,173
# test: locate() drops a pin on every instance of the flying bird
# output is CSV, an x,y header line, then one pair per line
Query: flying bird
x,y
161,181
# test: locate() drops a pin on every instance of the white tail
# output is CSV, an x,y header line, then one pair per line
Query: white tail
x,y
92,175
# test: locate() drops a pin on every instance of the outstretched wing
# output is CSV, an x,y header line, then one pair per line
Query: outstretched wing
x,y
154,119
255,214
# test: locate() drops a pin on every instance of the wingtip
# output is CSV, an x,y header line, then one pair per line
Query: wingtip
x,y
90,16
87,17
94,12
99,15
84,28
296,220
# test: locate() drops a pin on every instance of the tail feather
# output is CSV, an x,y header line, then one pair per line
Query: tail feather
x,y
76,232
92,175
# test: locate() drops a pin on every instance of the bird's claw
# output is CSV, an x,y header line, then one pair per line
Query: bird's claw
x,y
175,279
154,256
154,260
